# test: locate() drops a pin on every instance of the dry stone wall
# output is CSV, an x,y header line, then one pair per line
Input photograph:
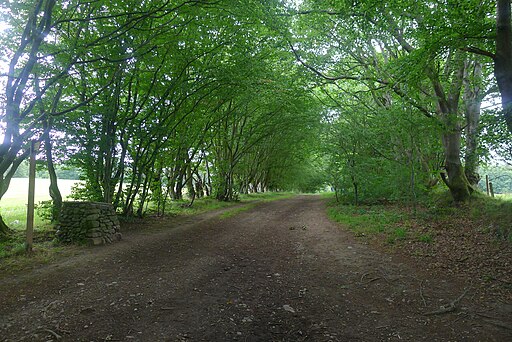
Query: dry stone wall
x,y
88,222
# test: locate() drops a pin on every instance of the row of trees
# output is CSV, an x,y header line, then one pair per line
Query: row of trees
x,y
405,82
217,97
148,99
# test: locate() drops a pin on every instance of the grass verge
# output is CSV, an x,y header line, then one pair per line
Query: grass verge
x,y
371,220
254,199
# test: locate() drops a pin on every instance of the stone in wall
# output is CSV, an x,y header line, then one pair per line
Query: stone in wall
x,y
94,223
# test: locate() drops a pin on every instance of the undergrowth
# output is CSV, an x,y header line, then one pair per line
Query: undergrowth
x,y
393,221
370,220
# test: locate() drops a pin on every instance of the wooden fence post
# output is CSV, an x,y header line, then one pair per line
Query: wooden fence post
x,y
34,147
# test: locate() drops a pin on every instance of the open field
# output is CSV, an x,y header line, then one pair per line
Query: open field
x,y
507,197
14,203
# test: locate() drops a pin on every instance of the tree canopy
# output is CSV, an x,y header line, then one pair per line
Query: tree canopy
x,y
151,100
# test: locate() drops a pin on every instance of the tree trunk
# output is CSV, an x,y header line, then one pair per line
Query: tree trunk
x,y
17,87
190,182
448,109
455,178
54,187
356,193
4,229
208,180
503,58
472,104
178,190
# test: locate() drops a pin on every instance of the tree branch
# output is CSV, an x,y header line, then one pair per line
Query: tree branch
x,y
480,52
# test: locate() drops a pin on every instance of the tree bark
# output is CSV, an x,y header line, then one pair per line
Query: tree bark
x,y
54,187
4,229
472,104
456,178
190,181
448,109
503,58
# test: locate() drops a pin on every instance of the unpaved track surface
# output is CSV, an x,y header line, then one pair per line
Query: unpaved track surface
x,y
280,272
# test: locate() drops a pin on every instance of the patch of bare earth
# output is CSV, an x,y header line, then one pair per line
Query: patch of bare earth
x,y
280,272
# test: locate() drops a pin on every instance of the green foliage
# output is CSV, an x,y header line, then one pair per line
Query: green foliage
x,y
496,138
45,210
86,192
387,157
186,99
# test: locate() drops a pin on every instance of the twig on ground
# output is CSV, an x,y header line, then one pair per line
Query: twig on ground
x,y
57,336
372,280
421,294
451,306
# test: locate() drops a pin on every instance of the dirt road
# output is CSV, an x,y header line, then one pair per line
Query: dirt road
x,y
280,272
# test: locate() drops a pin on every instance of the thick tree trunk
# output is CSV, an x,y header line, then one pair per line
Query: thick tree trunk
x,y
472,103
448,109
455,178
17,87
503,58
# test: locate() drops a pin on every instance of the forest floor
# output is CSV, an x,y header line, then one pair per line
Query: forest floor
x,y
281,271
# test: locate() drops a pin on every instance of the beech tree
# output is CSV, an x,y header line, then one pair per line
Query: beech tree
x,y
395,48
157,101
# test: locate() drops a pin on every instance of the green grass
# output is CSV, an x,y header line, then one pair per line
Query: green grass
x,y
13,257
14,213
366,220
505,197
253,199
236,211
394,223
13,205
202,205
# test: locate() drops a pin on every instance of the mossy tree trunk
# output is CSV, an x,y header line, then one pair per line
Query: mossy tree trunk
x,y
455,177
448,98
